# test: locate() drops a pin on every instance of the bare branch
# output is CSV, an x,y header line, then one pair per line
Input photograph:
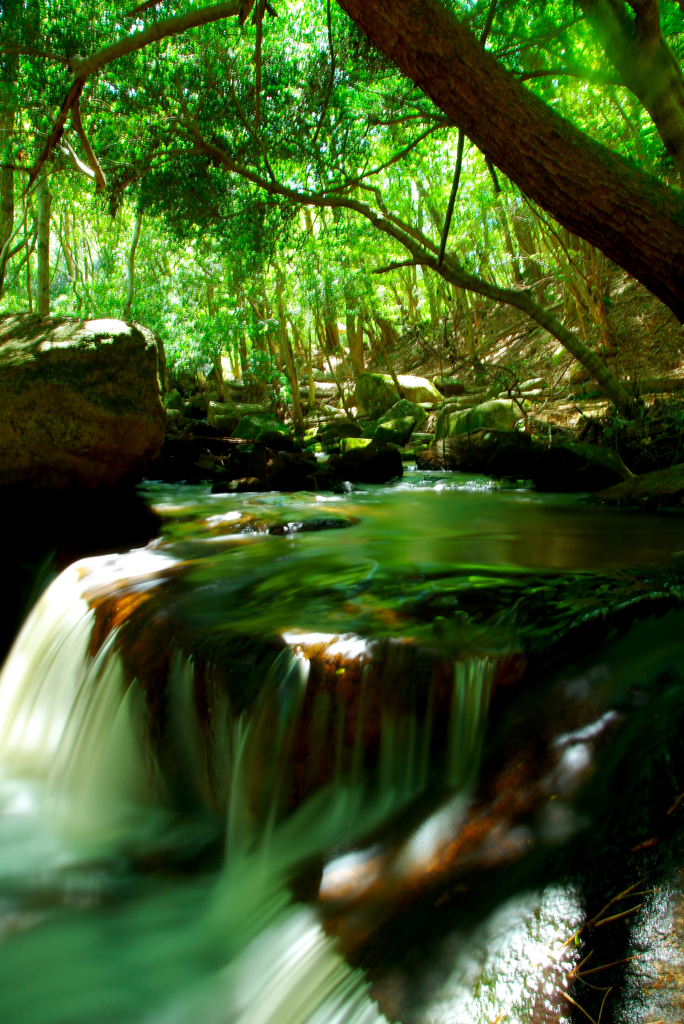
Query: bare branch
x,y
78,164
395,266
31,51
98,174
586,74
452,197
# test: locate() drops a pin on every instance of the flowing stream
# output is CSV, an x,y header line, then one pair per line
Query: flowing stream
x,y
345,758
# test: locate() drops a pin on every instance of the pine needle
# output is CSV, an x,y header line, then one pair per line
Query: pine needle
x,y
616,917
580,1008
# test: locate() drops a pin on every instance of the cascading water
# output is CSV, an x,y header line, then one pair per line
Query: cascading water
x,y
189,833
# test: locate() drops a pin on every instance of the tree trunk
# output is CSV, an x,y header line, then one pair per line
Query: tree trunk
x,y
637,221
639,53
6,215
43,275
355,342
288,355
130,279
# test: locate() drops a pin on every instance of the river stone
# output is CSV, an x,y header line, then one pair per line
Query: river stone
x,y
172,400
376,392
500,414
494,452
221,416
396,431
662,487
534,385
576,466
81,401
342,428
405,410
348,443
266,428
374,464
449,385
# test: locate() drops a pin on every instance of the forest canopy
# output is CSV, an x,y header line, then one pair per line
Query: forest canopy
x,y
281,176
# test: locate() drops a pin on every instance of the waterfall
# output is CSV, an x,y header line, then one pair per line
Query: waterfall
x,y
80,785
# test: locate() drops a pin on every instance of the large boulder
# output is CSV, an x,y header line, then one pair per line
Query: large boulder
x,y
506,453
398,423
405,410
376,392
449,385
500,414
373,464
222,415
266,428
81,401
396,431
576,466
662,487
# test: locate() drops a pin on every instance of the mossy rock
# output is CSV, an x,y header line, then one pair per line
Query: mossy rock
x,y
577,466
405,410
396,431
254,425
81,400
173,400
349,443
449,386
376,392
222,416
501,414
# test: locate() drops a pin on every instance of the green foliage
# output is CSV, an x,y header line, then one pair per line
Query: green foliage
x,y
334,117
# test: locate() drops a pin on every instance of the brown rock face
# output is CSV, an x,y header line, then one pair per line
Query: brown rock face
x,y
81,401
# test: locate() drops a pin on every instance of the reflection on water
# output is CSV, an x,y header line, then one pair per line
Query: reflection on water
x,y
280,765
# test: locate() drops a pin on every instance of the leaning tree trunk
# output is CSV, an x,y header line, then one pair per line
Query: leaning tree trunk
x,y
595,193
43,275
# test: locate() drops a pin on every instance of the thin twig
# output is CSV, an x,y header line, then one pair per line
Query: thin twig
x,y
676,804
452,197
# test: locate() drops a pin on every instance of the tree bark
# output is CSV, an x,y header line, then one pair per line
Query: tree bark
x,y
355,342
6,215
43,274
595,193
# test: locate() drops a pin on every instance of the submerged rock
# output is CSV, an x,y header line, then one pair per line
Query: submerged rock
x,y
374,464
500,414
662,487
81,401
575,466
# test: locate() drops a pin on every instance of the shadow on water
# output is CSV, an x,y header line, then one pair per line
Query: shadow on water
x,y
359,757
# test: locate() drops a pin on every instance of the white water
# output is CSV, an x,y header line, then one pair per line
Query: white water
x,y
87,937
